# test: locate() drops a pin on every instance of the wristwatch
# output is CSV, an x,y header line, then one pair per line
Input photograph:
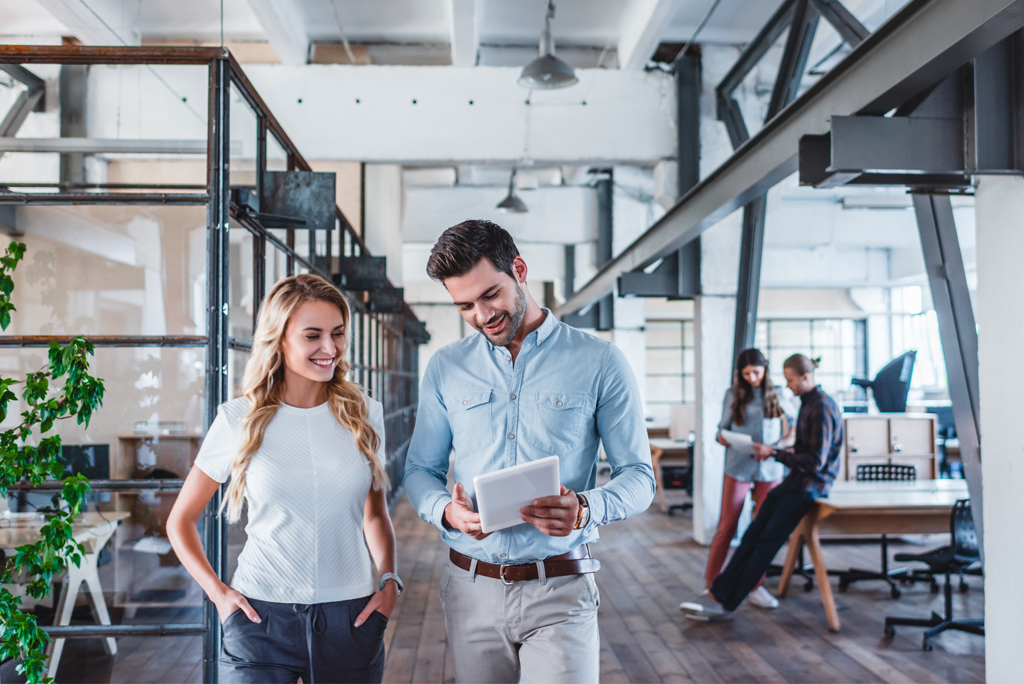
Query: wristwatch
x,y
391,576
583,513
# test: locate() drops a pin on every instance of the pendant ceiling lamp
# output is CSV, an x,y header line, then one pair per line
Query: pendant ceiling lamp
x,y
547,71
512,204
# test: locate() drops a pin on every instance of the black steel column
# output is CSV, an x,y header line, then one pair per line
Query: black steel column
x,y
606,306
73,82
259,242
217,260
958,332
803,26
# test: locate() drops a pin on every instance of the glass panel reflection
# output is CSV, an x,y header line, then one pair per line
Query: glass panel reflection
x,y
111,270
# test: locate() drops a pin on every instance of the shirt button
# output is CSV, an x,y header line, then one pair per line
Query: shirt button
x,y
558,403
502,555
465,401
513,397
508,358
511,436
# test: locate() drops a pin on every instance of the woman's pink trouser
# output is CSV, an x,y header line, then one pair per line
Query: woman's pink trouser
x,y
734,492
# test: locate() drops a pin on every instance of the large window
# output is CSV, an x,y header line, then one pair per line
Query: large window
x,y
671,366
840,343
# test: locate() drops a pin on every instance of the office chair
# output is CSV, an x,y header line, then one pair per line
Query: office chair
x,y
880,472
946,560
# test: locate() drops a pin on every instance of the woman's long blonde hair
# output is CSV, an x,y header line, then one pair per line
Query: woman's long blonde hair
x,y
263,383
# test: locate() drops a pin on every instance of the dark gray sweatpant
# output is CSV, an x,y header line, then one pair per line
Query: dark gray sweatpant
x,y
317,642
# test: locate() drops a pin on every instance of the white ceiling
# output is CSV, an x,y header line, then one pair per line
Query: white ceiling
x,y
594,23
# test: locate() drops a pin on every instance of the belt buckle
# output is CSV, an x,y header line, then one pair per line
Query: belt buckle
x,y
501,575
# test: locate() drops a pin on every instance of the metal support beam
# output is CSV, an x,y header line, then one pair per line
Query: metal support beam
x,y
958,332
787,85
749,284
73,93
920,45
998,112
282,22
217,328
842,20
29,100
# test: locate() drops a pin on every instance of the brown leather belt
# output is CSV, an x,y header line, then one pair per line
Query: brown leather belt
x,y
576,562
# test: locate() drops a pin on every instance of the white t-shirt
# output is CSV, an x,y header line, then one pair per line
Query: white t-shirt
x,y
306,489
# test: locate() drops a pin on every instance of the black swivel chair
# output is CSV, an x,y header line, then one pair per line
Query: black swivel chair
x,y
946,560
880,472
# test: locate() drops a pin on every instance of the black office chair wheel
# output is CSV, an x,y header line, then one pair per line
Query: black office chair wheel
x,y
928,644
963,587
843,586
934,588
808,585
894,592
890,631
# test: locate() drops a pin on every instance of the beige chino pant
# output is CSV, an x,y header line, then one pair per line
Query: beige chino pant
x,y
541,630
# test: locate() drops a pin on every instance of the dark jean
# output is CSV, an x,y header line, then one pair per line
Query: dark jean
x,y
775,521
317,642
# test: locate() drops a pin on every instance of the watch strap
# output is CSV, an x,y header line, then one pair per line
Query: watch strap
x,y
391,576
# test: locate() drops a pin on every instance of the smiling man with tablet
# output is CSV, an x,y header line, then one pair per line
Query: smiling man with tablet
x,y
521,602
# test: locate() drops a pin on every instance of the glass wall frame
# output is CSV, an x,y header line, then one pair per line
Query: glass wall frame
x,y
382,349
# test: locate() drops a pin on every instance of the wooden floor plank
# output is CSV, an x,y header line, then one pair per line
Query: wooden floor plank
x,y
650,564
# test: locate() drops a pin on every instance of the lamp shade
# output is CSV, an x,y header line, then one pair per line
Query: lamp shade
x,y
512,204
547,71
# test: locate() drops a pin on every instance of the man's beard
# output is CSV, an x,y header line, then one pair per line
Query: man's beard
x,y
515,319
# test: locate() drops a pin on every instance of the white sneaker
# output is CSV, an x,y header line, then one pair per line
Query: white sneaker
x,y
762,599
704,608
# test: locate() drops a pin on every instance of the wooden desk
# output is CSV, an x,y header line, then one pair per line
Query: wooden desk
x,y
919,507
666,450
91,530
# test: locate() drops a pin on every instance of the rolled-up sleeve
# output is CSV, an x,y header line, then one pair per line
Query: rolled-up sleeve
x,y
426,466
726,422
620,423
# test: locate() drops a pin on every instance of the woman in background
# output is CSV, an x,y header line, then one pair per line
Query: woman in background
x,y
752,407
304,448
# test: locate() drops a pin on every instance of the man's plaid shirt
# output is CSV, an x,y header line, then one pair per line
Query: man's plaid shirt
x,y
814,459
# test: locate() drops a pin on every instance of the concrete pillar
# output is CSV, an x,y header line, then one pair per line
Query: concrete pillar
x,y
383,230
714,317
999,205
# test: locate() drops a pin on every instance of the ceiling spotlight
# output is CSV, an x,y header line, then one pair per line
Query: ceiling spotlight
x,y
512,204
547,71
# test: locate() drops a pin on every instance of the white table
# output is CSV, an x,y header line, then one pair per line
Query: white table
x,y
91,530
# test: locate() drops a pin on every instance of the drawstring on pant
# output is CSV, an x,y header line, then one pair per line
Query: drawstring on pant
x,y
315,624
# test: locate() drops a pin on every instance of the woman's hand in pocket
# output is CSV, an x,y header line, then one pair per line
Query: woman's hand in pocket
x,y
383,602
230,601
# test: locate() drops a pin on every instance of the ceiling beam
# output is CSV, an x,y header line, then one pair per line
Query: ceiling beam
x,y
98,23
464,25
284,25
643,24
919,46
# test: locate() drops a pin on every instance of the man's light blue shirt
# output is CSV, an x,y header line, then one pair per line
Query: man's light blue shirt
x,y
567,392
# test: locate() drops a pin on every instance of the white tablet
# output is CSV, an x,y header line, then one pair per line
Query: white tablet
x,y
500,495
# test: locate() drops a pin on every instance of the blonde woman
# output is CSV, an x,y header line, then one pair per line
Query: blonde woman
x,y
305,449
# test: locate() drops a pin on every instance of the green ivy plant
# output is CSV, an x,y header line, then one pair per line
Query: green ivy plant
x,y
39,563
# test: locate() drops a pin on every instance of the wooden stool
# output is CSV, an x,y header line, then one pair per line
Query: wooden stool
x,y
807,533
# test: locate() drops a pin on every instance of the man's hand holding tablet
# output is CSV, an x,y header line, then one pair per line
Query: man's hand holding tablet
x,y
459,514
553,515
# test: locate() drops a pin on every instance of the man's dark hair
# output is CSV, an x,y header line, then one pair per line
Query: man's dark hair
x,y
462,246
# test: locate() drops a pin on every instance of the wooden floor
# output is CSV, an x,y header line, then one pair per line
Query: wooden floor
x,y
650,564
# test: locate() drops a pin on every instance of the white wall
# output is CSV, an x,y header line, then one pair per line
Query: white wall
x,y
999,207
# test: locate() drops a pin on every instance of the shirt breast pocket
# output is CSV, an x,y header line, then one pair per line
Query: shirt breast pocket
x,y
470,416
553,421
